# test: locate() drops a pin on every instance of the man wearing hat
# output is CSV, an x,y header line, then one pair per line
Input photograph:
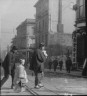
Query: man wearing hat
x,y
9,66
37,63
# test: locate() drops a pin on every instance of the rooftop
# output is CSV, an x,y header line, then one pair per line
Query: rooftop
x,y
27,21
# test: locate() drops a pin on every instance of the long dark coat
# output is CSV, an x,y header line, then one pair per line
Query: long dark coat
x,y
37,61
8,63
68,62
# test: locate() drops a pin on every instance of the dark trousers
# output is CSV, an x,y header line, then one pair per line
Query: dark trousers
x,y
55,67
12,76
5,78
68,69
50,67
38,78
61,67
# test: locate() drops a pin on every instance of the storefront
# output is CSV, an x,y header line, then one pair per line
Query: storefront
x,y
79,35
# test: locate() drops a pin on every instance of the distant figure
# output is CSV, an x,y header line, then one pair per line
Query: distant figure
x,y
0,62
9,66
50,63
37,65
20,78
84,72
55,64
61,64
68,64
0,68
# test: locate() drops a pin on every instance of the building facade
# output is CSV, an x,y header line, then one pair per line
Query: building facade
x,y
49,27
25,37
79,35
42,16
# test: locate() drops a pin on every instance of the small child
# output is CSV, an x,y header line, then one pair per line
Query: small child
x,y
20,78
44,51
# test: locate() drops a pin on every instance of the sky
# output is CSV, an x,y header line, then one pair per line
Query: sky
x,y
12,13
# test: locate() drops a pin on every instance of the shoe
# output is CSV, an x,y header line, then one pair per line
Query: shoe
x,y
23,89
40,85
37,87
12,87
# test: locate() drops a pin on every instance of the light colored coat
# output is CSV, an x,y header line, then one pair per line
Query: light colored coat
x,y
20,73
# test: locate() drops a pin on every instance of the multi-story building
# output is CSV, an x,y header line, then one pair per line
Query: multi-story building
x,y
25,38
25,34
79,35
49,25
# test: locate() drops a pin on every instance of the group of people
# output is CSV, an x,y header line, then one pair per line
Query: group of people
x,y
59,62
13,66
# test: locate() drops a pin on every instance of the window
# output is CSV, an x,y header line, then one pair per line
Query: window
x,y
81,9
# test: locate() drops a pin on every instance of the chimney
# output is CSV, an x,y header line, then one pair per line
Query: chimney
x,y
60,25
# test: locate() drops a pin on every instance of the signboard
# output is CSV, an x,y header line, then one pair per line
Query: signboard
x,y
81,24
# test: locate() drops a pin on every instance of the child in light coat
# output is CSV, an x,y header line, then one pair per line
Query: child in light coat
x,y
20,78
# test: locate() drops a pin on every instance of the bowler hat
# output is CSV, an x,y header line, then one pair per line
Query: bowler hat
x,y
41,45
14,48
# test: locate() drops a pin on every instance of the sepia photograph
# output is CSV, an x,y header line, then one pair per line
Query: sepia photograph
x,y
43,47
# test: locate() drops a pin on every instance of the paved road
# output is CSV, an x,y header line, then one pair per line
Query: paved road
x,y
6,89
61,85
54,84
68,85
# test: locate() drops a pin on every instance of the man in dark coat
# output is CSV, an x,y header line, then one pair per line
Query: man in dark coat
x,y
37,65
50,63
61,64
9,66
55,64
68,64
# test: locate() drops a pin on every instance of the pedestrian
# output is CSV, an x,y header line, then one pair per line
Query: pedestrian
x,y
37,64
68,64
60,64
0,68
20,78
9,66
0,62
55,63
50,63
84,71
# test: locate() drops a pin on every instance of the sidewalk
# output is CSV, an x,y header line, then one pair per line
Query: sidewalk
x,y
59,85
56,87
6,89
46,90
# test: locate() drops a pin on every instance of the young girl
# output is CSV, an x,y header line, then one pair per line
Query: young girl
x,y
20,78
